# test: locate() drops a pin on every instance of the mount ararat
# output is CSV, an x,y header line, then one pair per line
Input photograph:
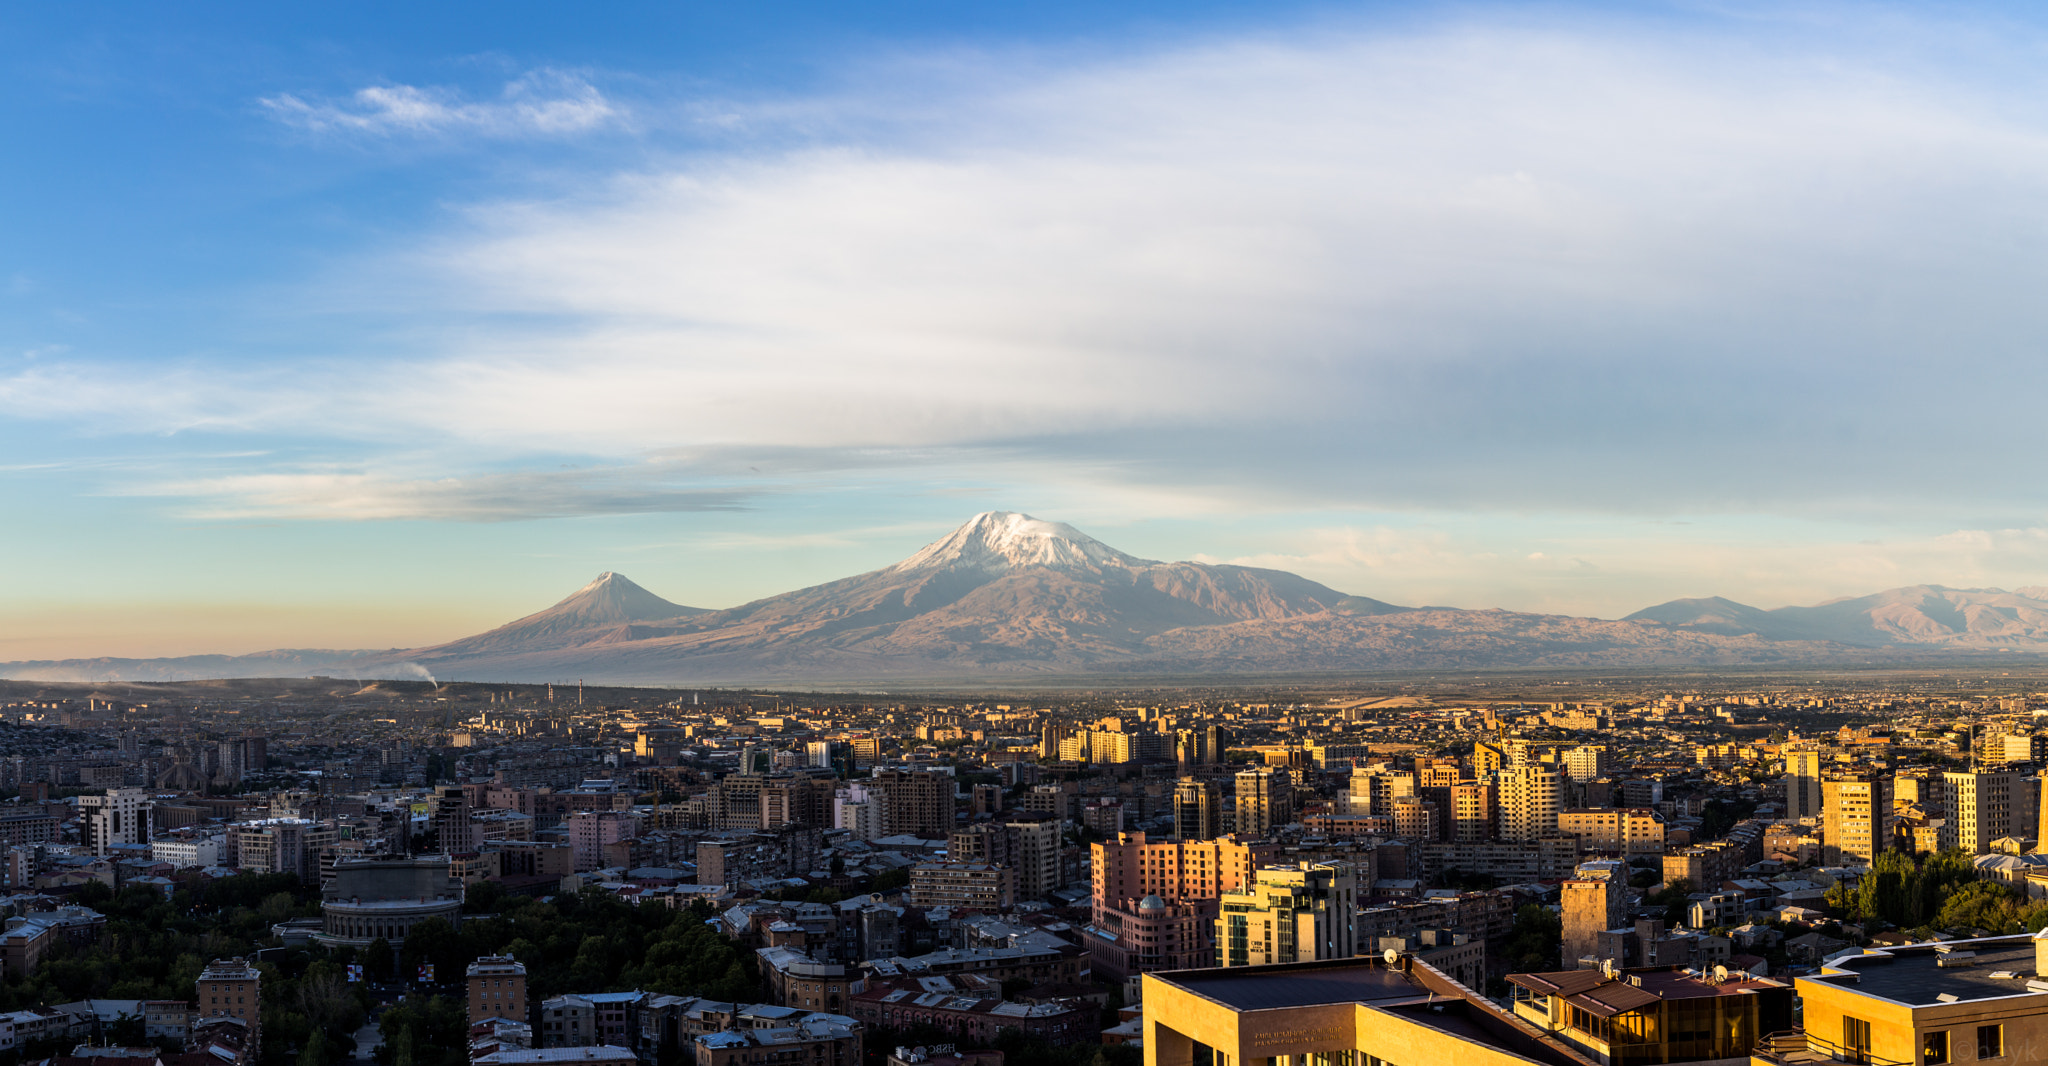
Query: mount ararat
x,y
1008,596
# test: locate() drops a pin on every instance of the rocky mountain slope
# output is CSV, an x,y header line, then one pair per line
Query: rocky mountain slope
x,y
1011,596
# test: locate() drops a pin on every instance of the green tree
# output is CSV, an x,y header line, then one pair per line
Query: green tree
x,y
1534,939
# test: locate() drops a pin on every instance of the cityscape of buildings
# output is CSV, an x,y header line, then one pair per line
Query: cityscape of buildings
x,y
1624,878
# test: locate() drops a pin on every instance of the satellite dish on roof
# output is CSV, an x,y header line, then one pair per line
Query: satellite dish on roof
x,y
1720,973
1607,968
1392,956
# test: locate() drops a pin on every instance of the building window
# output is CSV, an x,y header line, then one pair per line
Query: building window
x,y
1991,1041
1855,1040
1934,1048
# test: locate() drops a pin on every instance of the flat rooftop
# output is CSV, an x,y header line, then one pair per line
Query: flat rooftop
x,y
1263,987
1913,973
1422,996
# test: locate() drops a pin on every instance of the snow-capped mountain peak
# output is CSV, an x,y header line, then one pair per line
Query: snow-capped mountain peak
x,y
1005,540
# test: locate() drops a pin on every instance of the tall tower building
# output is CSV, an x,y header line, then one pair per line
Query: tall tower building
x,y
1979,805
1038,854
451,821
1297,914
1588,762
1473,810
1594,902
1855,819
1530,798
1374,791
1802,784
918,801
1264,800
497,989
121,816
1197,809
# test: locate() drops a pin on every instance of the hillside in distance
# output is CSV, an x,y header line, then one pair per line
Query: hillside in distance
x,y
1917,615
1009,596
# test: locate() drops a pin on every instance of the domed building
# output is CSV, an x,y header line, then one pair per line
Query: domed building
x,y
382,899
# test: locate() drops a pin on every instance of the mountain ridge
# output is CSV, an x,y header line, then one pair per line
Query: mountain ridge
x,y
1007,595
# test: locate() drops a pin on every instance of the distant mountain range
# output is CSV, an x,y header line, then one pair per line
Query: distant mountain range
x,y
1011,596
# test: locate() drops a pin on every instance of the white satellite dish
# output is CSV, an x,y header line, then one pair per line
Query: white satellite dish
x,y
1720,973
1391,956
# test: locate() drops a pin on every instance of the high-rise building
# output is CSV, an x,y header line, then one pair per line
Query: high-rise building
x,y
121,816
1530,798
1980,808
497,989
1374,791
1473,811
1487,759
1037,853
1593,902
1802,784
1201,747
450,812
1297,914
1264,799
1855,819
1154,903
1415,818
1197,809
916,801
591,834
1587,762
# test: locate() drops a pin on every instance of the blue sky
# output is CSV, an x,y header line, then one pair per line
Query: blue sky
x,y
374,326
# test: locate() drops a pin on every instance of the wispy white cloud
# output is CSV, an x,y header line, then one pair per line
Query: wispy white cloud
x,y
540,103
1486,263
357,497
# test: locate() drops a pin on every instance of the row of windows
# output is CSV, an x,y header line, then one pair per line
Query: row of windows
x,y
1935,1046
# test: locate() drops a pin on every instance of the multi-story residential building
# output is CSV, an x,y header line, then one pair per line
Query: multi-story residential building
x,y
1474,813
1373,791
1037,854
595,1019
1264,798
813,1040
591,833
1622,831
120,816
1592,903
920,802
1198,808
1289,915
186,852
1530,798
966,885
1802,784
1980,806
281,846
232,988
448,812
1588,762
497,989
1154,903
1855,819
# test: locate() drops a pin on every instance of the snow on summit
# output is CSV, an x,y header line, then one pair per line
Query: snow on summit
x,y
1003,540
